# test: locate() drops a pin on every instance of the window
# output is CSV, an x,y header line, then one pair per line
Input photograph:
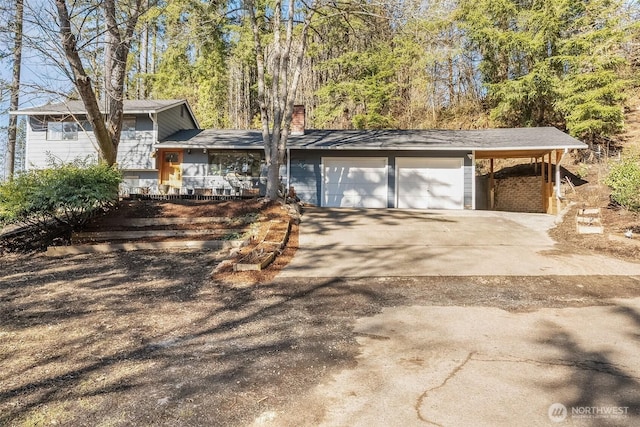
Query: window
x,y
128,128
171,157
62,131
242,164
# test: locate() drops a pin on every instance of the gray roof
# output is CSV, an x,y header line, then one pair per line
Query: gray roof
x,y
213,138
142,106
541,138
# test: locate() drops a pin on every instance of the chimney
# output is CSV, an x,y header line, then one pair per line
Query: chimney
x,y
297,120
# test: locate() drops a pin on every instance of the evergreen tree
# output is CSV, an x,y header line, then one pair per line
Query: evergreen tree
x,y
551,62
352,51
592,89
192,65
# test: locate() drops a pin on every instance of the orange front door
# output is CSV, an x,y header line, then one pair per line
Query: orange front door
x,y
171,167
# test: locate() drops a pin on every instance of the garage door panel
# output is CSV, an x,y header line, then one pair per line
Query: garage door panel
x,y
355,182
430,183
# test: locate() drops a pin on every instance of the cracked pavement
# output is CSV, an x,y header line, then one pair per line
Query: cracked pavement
x,y
483,366
456,356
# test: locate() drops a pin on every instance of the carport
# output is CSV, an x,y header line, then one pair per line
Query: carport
x,y
543,160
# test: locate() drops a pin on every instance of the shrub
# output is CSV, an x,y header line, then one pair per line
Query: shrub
x,y
624,180
68,193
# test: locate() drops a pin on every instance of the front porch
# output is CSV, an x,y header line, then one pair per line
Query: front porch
x,y
146,193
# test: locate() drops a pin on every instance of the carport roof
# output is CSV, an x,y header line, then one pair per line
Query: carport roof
x,y
531,140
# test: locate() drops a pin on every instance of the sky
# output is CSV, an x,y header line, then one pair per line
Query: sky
x,y
39,79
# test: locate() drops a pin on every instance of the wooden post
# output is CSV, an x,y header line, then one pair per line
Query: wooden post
x,y
543,184
491,187
557,183
549,186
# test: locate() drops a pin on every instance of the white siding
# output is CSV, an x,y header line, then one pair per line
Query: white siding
x,y
39,149
133,153
136,153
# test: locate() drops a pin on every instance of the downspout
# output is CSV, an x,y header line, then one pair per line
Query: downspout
x,y
558,162
154,119
473,180
288,173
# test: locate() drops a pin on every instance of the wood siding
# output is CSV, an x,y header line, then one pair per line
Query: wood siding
x,y
173,120
134,151
39,150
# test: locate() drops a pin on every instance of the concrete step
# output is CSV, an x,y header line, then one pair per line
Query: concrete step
x,y
588,221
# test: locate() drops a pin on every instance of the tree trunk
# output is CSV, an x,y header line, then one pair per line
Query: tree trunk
x,y
276,110
15,88
118,43
84,86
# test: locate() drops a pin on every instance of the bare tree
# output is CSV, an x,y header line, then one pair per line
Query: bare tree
x,y
120,23
279,65
15,86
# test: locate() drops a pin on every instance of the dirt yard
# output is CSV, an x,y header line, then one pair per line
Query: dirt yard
x,y
151,338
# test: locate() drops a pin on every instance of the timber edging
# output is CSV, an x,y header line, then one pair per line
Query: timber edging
x,y
266,251
54,251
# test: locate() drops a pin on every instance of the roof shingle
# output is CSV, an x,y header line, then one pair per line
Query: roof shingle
x,y
540,138
141,106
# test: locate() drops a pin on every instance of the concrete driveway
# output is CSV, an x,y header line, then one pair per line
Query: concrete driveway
x,y
471,363
393,242
482,366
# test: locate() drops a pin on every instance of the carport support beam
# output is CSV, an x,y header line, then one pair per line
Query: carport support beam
x,y
559,156
491,186
549,184
543,184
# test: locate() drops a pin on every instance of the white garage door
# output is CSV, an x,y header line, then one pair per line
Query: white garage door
x,y
430,183
355,182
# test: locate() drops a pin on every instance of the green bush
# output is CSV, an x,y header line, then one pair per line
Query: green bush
x,y
624,180
67,193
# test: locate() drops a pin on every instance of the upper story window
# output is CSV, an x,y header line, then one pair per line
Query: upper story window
x,y
128,128
62,131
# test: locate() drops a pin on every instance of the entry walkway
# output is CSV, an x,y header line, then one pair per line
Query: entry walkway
x,y
392,242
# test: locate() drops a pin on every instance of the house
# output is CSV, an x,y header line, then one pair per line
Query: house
x,y
418,169
61,132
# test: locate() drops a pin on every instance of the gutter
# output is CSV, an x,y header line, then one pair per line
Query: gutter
x,y
154,119
558,192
